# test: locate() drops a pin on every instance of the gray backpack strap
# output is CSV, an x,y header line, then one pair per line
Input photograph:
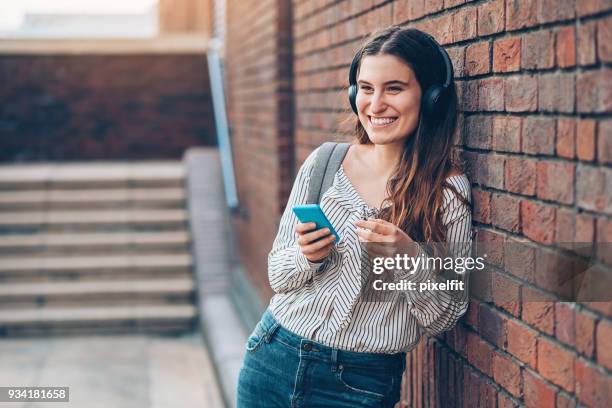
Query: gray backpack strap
x,y
328,161
333,165
318,172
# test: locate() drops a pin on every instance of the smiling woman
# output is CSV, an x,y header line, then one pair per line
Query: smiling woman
x,y
322,342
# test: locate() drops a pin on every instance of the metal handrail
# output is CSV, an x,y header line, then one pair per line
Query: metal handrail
x,y
215,72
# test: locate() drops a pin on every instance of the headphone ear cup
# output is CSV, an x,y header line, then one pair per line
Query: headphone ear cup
x,y
433,101
352,96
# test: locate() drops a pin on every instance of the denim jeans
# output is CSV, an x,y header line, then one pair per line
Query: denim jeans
x,y
282,369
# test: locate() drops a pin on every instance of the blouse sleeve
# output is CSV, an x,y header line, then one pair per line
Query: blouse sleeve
x,y
288,268
438,310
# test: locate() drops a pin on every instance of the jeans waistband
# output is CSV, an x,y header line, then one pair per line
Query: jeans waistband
x,y
316,350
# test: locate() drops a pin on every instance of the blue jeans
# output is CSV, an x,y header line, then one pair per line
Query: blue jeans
x,y
282,369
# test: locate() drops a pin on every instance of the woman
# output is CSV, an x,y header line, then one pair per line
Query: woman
x,y
320,344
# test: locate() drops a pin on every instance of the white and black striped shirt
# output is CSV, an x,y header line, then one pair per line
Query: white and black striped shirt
x,y
319,301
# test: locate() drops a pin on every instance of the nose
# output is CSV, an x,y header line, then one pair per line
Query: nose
x,y
377,102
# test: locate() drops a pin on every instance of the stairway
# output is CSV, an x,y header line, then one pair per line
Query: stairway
x,y
95,248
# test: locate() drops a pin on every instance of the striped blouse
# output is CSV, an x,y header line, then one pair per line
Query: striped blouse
x,y
320,301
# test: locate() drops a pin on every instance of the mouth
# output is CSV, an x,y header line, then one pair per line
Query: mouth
x,y
380,122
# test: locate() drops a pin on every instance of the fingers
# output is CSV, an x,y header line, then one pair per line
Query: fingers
x,y
320,255
315,245
373,231
308,237
313,248
376,225
302,228
380,221
371,236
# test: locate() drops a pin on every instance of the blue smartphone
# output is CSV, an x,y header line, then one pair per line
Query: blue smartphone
x,y
314,213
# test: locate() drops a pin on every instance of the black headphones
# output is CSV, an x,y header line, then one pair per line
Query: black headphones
x,y
433,100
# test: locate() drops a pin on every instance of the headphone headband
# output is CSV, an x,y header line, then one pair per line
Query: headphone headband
x,y
445,57
353,69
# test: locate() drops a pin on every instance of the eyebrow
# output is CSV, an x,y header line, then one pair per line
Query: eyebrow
x,y
395,81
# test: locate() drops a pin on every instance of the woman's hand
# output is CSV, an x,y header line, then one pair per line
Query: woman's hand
x,y
316,245
385,238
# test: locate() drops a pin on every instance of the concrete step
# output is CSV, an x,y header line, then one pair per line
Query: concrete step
x,y
13,201
93,220
114,292
97,320
90,248
93,267
92,175
120,242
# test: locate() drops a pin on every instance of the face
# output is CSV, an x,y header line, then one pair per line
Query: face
x,y
388,98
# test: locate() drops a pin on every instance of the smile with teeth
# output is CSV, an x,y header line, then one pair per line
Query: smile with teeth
x,y
381,121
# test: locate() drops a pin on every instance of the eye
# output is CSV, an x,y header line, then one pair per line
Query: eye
x,y
369,89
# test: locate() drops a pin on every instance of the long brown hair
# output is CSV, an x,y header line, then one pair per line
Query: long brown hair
x,y
415,188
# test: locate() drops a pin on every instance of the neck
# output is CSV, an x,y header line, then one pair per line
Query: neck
x,y
384,158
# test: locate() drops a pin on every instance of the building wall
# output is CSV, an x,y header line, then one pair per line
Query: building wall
x,y
115,106
185,16
258,69
535,133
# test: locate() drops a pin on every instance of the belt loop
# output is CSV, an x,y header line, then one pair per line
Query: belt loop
x,y
334,360
271,331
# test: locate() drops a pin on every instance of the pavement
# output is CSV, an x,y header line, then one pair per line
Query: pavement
x,y
114,371
217,265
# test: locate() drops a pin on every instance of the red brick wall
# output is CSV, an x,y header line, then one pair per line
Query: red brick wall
x,y
259,78
175,16
534,85
78,107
